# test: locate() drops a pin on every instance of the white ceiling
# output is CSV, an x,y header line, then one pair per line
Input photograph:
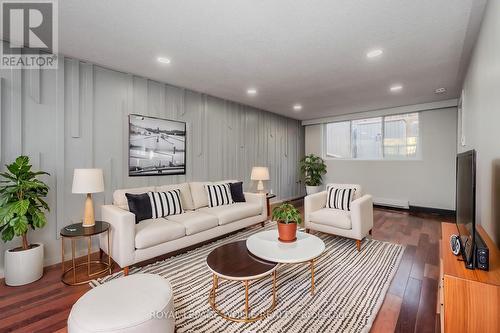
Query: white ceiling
x,y
310,52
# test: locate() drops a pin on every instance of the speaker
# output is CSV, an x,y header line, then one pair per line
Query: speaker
x,y
482,254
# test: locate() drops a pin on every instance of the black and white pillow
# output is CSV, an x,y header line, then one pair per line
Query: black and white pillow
x,y
340,198
218,195
152,205
165,203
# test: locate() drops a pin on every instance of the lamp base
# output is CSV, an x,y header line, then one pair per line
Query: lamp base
x,y
88,214
260,186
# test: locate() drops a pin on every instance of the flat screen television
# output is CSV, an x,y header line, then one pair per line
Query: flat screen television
x,y
466,204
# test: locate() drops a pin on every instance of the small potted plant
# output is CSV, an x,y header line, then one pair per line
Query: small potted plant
x,y
313,168
22,207
287,217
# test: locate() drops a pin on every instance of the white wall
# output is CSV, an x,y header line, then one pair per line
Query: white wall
x,y
77,116
427,182
481,116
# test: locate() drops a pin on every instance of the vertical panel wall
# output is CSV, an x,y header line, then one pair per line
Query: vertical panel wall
x,y
77,117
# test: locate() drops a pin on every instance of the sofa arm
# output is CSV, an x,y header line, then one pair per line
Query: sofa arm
x,y
362,216
257,198
312,203
122,234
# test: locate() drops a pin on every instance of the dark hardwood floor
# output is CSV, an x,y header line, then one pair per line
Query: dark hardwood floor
x,y
410,304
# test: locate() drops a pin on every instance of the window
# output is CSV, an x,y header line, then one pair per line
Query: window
x,y
389,137
367,139
339,137
401,136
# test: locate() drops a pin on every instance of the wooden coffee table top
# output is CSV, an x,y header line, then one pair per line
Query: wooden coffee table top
x,y
232,261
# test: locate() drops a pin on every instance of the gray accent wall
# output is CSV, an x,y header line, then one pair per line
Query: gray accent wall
x,y
77,117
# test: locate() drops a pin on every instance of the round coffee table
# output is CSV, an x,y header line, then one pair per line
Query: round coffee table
x,y
306,248
232,261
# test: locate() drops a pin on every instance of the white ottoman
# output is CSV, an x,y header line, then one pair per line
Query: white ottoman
x,y
136,303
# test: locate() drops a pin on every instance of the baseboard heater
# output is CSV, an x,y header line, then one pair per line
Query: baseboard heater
x,y
402,204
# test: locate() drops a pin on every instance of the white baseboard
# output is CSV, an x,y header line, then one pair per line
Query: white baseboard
x,y
405,204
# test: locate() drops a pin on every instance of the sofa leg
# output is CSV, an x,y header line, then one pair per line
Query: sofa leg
x,y
370,232
125,271
358,245
263,223
308,231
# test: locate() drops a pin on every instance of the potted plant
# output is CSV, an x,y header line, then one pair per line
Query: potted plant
x,y
287,217
22,207
312,168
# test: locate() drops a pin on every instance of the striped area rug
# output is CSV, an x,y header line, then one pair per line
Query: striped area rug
x,y
350,288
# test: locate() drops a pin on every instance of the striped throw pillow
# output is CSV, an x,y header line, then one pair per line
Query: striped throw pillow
x,y
165,203
218,195
340,198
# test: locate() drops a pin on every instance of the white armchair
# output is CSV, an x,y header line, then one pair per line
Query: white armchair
x,y
356,223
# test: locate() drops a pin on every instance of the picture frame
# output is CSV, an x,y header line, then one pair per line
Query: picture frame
x,y
157,146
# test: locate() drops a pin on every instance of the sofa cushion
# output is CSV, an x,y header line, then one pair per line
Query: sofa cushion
x,y
140,206
235,212
332,217
186,198
152,232
219,195
195,222
120,200
237,192
199,193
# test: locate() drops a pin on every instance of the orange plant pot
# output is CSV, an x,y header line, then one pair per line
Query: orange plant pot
x,y
287,232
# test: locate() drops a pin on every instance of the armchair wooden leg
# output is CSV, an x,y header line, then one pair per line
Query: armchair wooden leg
x,y
370,232
125,271
263,224
358,245
308,230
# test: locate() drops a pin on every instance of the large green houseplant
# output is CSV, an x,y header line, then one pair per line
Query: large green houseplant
x,y
312,168
287,217
22,207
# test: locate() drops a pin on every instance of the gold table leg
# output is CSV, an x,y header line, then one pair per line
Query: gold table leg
x,y
246,299
312,277
247,319
73,259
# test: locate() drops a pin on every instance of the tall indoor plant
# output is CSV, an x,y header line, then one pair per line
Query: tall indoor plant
x,y
313,168
22,207
287,217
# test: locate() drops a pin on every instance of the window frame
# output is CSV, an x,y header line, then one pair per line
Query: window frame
x,y
417,157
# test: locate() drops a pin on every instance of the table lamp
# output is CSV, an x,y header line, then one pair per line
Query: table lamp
x,y
88,181
260,174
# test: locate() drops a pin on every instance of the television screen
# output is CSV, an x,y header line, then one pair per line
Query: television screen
x,y
466,203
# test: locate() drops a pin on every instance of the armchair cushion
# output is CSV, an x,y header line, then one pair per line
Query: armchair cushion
x,y
332,217
340,198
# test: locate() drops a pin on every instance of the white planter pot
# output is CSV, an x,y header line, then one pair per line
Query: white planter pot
x,y
23,267
313,189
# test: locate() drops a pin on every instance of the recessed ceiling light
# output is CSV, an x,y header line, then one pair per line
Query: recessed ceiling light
x,y
163,60
374,53
252,91
396,88
297,107
440,91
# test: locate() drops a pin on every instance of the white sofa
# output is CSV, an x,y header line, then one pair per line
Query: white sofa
x,y
356,223
132,243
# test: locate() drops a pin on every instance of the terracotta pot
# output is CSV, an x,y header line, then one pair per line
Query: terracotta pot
x,y
287,231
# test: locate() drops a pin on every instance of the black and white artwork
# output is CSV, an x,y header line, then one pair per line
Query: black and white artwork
x,y
156,146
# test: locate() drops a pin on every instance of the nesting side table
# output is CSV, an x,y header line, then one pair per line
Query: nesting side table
x,y
94,267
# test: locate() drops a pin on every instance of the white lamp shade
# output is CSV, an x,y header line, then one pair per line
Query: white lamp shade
x,y
88,181
260,173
